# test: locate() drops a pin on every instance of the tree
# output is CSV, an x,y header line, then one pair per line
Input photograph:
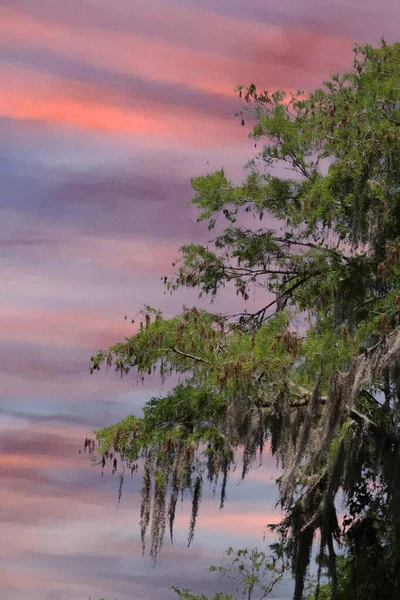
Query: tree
x,y
316,370
254,572
366,574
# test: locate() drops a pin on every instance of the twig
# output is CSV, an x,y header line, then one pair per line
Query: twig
x,y
186,355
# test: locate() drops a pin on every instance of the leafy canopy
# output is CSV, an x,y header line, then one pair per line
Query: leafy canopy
x,y
315,229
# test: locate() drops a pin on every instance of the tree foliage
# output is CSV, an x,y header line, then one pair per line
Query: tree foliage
x,y
366,570
254,573
315,371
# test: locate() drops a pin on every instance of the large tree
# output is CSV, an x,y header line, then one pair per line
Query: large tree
x,y
316,370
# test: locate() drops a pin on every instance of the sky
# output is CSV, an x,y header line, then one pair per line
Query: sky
x,y
107,109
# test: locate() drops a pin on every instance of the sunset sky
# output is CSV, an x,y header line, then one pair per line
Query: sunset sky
x,y
107,108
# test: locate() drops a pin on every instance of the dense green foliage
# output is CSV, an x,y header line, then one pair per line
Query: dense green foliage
x,y
316,370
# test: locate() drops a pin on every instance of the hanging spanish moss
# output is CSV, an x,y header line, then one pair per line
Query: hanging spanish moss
x,y
159,516
225,467
145,508
302,422
121,485
174,492
196,499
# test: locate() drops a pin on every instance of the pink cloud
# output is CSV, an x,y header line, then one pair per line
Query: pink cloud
x,y
247,522
74,327
265,50
34,96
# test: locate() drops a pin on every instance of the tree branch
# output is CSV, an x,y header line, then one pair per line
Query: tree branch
x,y
361,419
327,249
305,397
186,355
283,297
254,272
